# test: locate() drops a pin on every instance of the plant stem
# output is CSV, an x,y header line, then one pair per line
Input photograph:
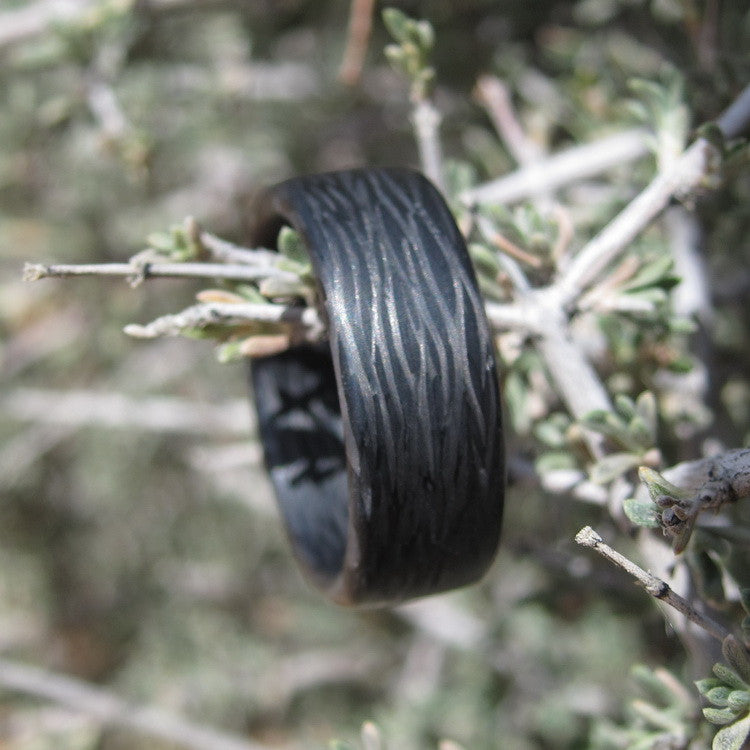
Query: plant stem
x,y
426,121
681,178
112,710
658,588
558,170
140,271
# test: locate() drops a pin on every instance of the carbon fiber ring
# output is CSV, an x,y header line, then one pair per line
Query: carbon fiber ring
x,y
384,445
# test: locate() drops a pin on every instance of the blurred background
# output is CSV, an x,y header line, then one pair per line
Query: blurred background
x,y
140,549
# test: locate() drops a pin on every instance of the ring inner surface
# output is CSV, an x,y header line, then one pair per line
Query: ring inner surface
x,y
299,421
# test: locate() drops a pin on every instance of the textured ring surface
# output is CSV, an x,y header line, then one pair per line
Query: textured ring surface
x,y
385,445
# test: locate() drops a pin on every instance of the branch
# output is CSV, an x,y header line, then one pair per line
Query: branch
x,y
547,175
111,710
305,320
117,410
426,121
683,177
494,96
654,586
137,271
357,40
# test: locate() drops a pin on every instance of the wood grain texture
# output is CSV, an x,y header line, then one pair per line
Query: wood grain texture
x,y
386,448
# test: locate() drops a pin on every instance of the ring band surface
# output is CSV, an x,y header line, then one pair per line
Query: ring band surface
x,y
384,445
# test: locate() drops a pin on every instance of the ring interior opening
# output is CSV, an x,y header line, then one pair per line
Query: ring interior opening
x,y
299,421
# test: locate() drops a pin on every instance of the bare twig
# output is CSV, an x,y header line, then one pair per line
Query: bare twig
x,y
28,21
426,120
494,96
111,710
563,168
118,410
357,40
140,271
305,320
656,587
683,177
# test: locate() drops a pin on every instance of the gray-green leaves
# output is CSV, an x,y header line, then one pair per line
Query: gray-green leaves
x,y
411,55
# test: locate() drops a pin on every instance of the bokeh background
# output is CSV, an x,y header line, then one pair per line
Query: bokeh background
x,y
140,548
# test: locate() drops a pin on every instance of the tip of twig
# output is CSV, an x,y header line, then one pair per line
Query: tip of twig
x,y
34,271
587,537
137,331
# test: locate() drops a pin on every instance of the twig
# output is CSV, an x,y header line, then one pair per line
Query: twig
x,y
577,163
119,410
228,252
357,40
305,319
654,586
139,271
494,96
426,121
110,709
735,119
681,178
26,22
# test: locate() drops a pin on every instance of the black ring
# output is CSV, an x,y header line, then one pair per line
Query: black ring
x,y
384,446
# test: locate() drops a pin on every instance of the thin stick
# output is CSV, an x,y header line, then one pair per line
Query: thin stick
x,y
494,96
658,588
230,313
681,178
357,40
36,271
550,174
426,121
110,709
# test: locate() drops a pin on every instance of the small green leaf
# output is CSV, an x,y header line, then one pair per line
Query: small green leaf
x,y
641,513
729,677
397,23
484,259
719,696
555,461
658,486
709,683
719,715
231,351
290,245
424,35
160,241
624,404
739,700
646,409
612,466
737,657
732,737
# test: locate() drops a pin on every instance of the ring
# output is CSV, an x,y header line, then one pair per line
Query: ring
x,y
385,444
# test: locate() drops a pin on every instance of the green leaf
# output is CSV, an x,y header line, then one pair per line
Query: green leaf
x,y
554,461
719,695
729,677
658,486
732,737
737,657
641,513
739,700
484,259
624,404
709,683
397,23
290,245
646,409
229,352
612,466
719,715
